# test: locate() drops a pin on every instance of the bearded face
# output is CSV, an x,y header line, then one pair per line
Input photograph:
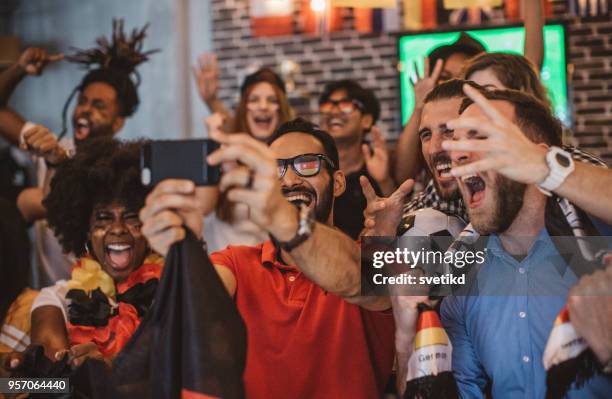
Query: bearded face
x,y
305,193
97,112
432,132
493,201
318,189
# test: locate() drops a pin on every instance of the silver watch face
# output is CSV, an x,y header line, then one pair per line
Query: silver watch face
x,y
562,160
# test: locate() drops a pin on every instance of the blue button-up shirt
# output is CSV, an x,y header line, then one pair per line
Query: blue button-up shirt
x,y
501,332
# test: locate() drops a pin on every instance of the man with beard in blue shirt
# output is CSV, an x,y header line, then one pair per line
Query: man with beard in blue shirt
x,y
499,333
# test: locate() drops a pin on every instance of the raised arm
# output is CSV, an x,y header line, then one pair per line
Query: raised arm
x,y
534,31
30,204
31,62
590,188
11,124
508,151
408,159
377,161
328,257
9,79
206,75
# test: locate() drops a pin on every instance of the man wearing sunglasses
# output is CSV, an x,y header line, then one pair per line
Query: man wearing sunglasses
x,y
348,112
310,332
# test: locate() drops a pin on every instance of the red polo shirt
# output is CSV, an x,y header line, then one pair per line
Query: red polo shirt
x,y
303,342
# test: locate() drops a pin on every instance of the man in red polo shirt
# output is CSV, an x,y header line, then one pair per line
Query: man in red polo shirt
x,y
310,333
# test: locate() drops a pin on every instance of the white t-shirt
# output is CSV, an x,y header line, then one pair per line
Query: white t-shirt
x,y
54,295
51,261
219,234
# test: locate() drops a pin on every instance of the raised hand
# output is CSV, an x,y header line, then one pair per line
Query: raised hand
x,y
382,215
377,161
254,183
206,74
33,60
40,141
505,149
422,85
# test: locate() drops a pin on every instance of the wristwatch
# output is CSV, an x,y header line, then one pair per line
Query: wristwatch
x,y
560,165
306,224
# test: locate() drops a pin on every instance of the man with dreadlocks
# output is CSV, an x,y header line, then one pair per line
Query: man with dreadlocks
x,y
106,96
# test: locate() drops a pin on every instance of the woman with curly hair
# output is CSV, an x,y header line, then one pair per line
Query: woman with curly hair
x,y
93,209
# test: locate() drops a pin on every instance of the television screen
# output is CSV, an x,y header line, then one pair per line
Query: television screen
x,y
413,48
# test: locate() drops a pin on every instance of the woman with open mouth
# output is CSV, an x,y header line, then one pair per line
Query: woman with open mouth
x,y
262,108
93,208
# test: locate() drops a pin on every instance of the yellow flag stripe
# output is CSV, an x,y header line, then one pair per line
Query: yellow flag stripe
x,y
430,336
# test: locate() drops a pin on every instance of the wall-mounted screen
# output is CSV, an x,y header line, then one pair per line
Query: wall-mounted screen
x,y
413,48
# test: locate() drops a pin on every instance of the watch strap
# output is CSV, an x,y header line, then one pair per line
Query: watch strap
x,y
557,172
305,228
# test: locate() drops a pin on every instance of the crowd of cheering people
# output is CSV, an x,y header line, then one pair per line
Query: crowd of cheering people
x,y
283,228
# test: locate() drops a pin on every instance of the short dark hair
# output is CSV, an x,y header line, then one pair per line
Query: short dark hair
x,y
450,89
303,126
103,170
355,92
514,71
534,118
465,44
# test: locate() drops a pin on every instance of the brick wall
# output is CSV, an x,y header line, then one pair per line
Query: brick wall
x,y
371,59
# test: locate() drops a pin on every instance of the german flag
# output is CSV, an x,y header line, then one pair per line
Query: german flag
x,y
567,358
190,345
429,367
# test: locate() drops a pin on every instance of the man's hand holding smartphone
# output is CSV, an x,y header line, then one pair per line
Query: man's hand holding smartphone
x,y
174,202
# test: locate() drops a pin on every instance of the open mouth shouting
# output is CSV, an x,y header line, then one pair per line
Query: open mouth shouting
x,y
119,255
300,195
474,190
263,121
82,128
441,166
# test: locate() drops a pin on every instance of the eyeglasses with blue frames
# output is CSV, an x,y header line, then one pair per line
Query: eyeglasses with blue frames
x,y
345,105
304,165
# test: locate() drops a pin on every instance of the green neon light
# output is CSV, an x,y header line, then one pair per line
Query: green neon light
x,y
414,48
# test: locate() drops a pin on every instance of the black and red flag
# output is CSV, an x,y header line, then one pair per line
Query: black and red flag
x,y
191,344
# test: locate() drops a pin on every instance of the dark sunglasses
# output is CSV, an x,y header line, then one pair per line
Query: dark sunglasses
x,y
346,106
304,165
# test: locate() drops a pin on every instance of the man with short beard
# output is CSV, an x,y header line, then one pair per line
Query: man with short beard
x,y
310,332
106,96
390,216
500,331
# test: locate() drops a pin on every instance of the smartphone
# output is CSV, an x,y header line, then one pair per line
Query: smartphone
x,y
178,159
